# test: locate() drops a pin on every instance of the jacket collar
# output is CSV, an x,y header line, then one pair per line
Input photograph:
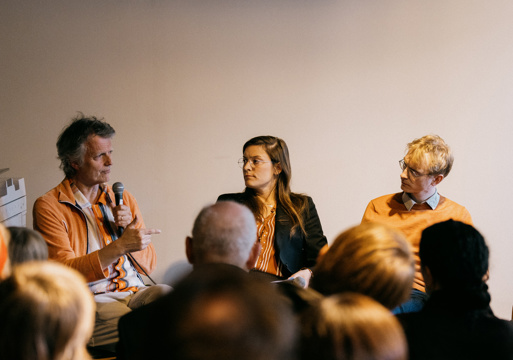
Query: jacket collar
x,y
67,190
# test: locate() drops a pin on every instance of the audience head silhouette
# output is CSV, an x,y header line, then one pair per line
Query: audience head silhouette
x,y
47,313
220,312
26,245
454,256
372,259
351,326
224,232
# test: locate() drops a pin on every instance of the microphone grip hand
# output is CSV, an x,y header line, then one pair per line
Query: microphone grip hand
x,y
122,215
306,274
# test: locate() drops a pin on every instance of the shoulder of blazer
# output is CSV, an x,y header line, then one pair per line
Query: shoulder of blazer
x,y
237,197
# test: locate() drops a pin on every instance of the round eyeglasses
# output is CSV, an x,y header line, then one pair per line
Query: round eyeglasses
x,y
252,162
403,165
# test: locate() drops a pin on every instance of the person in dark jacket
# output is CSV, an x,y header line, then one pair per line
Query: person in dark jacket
x,y
457,321
288,227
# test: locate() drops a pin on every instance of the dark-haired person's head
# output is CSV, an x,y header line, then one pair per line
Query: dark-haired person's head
x,y
26,245
71,144
453,255
219,312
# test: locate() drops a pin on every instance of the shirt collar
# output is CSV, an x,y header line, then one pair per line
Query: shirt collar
x,y
432,202
81,199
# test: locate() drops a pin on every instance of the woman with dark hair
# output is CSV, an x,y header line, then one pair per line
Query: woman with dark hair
x,y
26,245
457,321
288,227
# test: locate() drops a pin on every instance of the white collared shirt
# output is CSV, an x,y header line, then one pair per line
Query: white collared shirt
x,y
432,201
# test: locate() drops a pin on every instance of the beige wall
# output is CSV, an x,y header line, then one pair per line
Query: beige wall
x,y
346,83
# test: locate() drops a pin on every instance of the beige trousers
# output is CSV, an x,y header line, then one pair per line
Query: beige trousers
x,y
111,306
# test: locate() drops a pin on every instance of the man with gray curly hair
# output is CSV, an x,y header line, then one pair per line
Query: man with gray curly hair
x,y
80,221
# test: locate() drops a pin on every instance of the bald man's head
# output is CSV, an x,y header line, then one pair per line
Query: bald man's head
x,y
224,232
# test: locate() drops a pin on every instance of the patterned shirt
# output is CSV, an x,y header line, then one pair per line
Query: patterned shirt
x,y
122,276
267,260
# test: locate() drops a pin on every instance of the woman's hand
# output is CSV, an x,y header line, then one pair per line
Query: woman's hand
x,y
305,274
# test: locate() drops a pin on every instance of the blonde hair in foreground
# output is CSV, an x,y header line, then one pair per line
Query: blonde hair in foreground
x,y
47,313
372,259
351,326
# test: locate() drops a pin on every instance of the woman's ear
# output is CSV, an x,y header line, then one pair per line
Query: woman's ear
x,y
277,169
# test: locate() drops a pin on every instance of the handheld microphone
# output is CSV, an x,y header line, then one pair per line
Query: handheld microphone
x,y
118,189
298,280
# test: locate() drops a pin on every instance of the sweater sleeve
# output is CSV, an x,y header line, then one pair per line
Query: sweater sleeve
x,y
370,213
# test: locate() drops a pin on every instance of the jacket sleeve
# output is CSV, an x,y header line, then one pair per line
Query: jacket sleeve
x,y
236,197
66,237
315,239
147,258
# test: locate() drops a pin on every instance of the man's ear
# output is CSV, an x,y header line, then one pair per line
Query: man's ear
x,y
253,255
188,249
437,180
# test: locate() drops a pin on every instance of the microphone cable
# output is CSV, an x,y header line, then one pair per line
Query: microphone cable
x,y
129,255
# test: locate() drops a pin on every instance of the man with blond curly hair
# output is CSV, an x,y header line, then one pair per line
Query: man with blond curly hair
x,y
427,162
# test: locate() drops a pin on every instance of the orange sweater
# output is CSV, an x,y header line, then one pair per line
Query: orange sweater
x,y
390,209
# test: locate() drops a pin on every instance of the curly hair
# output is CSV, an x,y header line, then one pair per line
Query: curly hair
x,y
71,142
434,150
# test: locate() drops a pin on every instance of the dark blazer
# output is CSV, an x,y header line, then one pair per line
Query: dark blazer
x,y
452,327
298,251
143,331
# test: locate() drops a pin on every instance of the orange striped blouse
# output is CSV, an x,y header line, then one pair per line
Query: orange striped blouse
x,y
267,260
